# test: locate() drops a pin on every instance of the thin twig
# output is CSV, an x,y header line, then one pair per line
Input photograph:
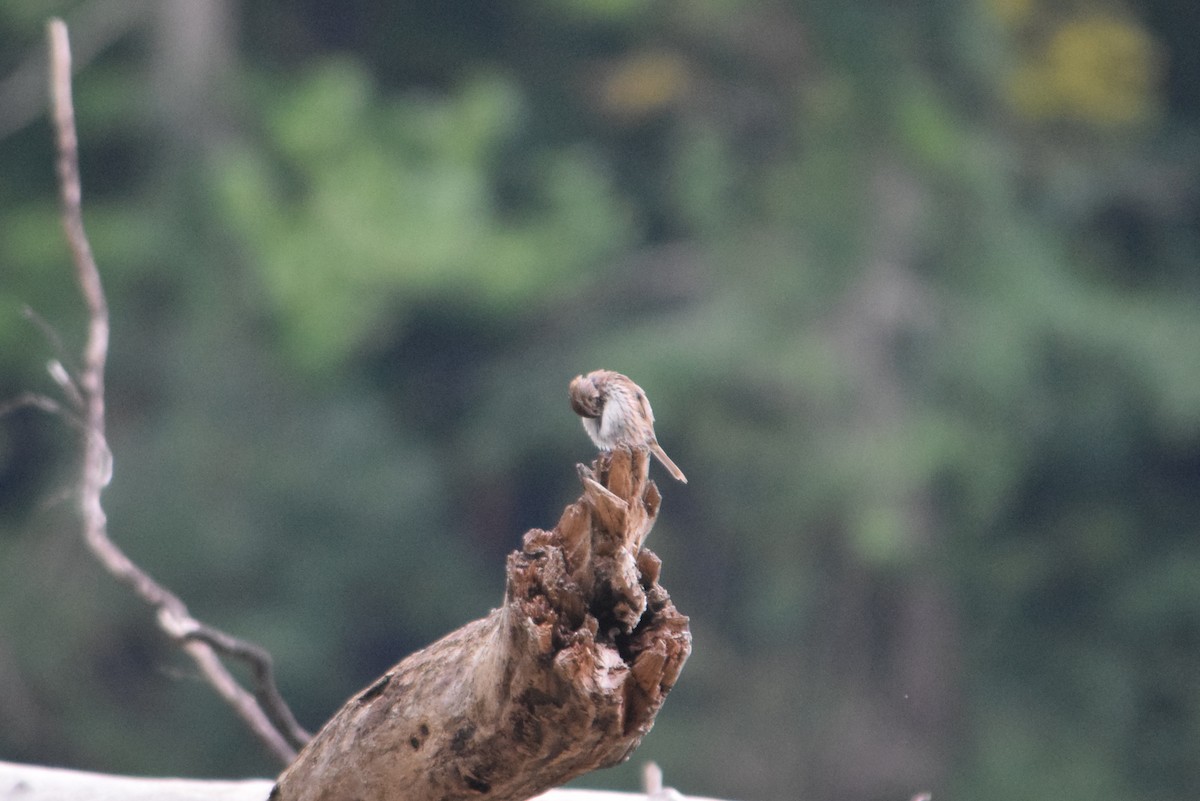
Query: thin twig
x,y
66,383
52,336
31,400
97,25
265,688
96,472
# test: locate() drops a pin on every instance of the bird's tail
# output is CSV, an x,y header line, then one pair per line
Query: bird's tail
x,y
672,468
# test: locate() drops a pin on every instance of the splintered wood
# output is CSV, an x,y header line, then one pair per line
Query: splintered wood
x,y
564,678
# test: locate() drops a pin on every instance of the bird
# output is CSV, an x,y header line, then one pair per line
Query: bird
x,y
616,413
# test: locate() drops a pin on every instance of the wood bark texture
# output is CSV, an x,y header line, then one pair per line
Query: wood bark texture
x,y
566,677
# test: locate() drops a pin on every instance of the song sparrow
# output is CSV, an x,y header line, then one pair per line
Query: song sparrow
x,y
616,413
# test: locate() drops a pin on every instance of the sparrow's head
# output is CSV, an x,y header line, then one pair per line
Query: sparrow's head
x,y
586,398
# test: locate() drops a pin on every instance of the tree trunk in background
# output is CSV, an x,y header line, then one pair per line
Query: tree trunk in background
x,y
193,51
894,728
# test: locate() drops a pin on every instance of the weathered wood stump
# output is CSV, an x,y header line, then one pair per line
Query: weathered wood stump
x,y
564,678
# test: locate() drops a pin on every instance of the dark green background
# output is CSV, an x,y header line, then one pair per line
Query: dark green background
x,y
914,287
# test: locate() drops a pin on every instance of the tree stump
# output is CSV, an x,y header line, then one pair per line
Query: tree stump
x,y
564,678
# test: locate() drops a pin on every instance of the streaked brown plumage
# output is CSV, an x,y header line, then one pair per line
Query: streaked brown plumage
x,y
616,413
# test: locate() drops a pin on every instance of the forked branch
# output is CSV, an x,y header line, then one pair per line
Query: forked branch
x,y
264,711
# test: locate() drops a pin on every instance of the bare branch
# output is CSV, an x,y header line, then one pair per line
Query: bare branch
x,y
262,667
66,383
98,24
32,400
96,471
51,335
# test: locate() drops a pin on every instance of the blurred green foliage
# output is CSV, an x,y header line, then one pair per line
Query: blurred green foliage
x,y
914,289
354,174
